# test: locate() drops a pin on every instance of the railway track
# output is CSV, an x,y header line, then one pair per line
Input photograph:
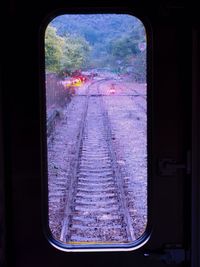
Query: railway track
x,y
96,209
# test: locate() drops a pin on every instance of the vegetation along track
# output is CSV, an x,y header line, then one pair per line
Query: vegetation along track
x,y
96,208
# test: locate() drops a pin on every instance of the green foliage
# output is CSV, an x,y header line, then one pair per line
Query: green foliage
x,y
124,47
68,52
97,41
129,54
53,50
75,53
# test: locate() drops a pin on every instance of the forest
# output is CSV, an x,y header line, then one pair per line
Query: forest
x,y
100,41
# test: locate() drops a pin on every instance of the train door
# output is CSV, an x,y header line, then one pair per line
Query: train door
x,y
169,140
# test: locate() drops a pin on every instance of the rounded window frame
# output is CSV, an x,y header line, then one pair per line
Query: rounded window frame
x,y
145,237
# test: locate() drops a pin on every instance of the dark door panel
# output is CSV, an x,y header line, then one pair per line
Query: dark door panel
x,y
169,132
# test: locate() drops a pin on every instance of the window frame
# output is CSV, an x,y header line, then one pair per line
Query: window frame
x,y
145,237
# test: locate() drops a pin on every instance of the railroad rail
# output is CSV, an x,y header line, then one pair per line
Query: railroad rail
x,y
96,210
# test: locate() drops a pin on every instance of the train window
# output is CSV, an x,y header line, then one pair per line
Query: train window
x,y
96,128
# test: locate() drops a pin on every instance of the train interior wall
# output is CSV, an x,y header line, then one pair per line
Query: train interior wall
x,y
174,77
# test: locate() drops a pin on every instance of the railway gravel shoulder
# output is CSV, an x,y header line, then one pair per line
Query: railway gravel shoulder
x,y
61,159
129,130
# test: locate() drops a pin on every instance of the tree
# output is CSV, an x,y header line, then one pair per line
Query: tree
x,y
64,53
54,45
75,52
105,40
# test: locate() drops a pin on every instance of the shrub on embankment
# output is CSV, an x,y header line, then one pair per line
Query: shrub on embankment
x,y
57,97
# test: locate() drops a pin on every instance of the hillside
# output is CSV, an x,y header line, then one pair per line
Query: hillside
x,y
116,41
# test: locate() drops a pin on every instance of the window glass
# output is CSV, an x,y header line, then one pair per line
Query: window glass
x,y
96,118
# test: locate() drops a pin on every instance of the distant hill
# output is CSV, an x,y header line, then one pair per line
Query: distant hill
x,y
97,28
117,41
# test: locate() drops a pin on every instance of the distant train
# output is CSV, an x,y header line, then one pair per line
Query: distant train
x,y
75,80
